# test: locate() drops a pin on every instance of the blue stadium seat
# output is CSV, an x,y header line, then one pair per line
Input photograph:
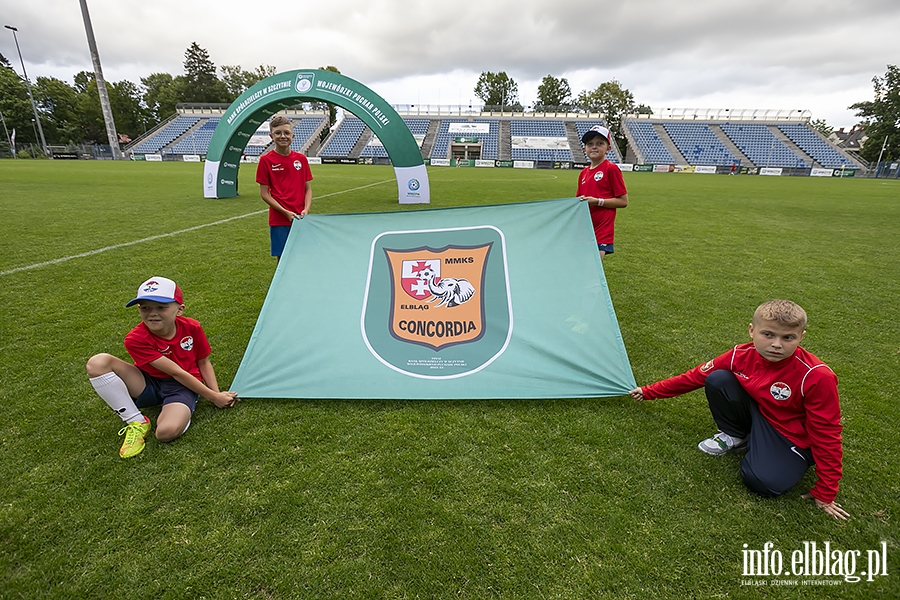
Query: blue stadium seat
x,y
164,136
649,144
346,136
761,146
416,127
539,129
821,151
699,144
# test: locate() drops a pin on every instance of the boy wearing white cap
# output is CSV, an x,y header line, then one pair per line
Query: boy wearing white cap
x,y
171,368
601,185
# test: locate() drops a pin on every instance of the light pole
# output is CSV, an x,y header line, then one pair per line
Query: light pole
x,y
30,97
105,108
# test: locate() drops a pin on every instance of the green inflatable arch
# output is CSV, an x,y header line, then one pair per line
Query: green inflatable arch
x,y
287,89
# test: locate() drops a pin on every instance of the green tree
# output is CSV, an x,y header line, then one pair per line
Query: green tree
x,y
612,101
882,117
498,89
237,80
58,104
201,83
131,116
553,94
822,127
15,106
161,92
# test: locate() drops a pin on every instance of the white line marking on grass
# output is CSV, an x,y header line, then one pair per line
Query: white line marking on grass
x,y
56,261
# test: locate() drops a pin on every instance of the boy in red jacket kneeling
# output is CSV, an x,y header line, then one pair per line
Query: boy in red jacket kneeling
x,y
774,399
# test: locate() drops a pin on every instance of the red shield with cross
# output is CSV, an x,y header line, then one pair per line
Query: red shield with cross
x,y
414,279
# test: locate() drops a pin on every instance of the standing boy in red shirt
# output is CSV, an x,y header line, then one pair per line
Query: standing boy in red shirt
x,y
774,399
171,368
601,185
283,177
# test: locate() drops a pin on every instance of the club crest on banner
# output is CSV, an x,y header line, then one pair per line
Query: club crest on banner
x,y
437,302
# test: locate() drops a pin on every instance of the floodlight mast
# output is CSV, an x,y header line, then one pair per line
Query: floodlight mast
x,y
28,87
101,85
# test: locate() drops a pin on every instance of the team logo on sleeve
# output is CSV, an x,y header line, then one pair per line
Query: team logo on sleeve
x,y
706,368
437,302
187,343
780,391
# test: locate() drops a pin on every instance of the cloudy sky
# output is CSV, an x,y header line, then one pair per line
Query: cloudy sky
x,y
764,54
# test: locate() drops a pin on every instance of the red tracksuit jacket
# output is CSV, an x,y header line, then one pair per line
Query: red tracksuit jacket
x,y
797,395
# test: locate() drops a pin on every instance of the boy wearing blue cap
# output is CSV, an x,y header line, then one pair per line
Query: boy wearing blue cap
x,y
171,368
602,186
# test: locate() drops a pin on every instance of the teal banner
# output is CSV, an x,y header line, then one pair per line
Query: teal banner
x,y
506,301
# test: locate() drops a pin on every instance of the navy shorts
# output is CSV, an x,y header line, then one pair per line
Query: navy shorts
x,y
608,248
164,391
278,235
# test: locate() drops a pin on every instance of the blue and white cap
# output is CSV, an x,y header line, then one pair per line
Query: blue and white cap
x,y
158,289
594,132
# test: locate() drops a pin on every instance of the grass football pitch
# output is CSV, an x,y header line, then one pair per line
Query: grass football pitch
x,y
480,499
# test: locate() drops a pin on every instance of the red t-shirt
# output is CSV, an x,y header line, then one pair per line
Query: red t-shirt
x,y
603,181
798,396
186,348
286,177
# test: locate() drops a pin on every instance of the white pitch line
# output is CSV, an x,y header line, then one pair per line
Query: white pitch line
x,y
56,261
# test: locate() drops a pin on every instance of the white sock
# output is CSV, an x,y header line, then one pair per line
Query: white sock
x,y
114,392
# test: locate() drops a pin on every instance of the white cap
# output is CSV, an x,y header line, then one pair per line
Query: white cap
x,y
594,132
158,289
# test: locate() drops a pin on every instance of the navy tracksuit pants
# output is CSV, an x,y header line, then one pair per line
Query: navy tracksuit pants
x,y
773,464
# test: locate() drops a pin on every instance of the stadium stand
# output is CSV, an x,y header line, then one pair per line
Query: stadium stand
x,y
716,137
489,142
304,129
761,146
344,137
196,141
649,145
252,149
698,144
166,135
819,149
418,127
545,131
192,135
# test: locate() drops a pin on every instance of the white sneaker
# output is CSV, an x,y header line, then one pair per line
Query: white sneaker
x,y
722,443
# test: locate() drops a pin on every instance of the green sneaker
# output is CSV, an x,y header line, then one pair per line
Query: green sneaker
x,y
134,437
